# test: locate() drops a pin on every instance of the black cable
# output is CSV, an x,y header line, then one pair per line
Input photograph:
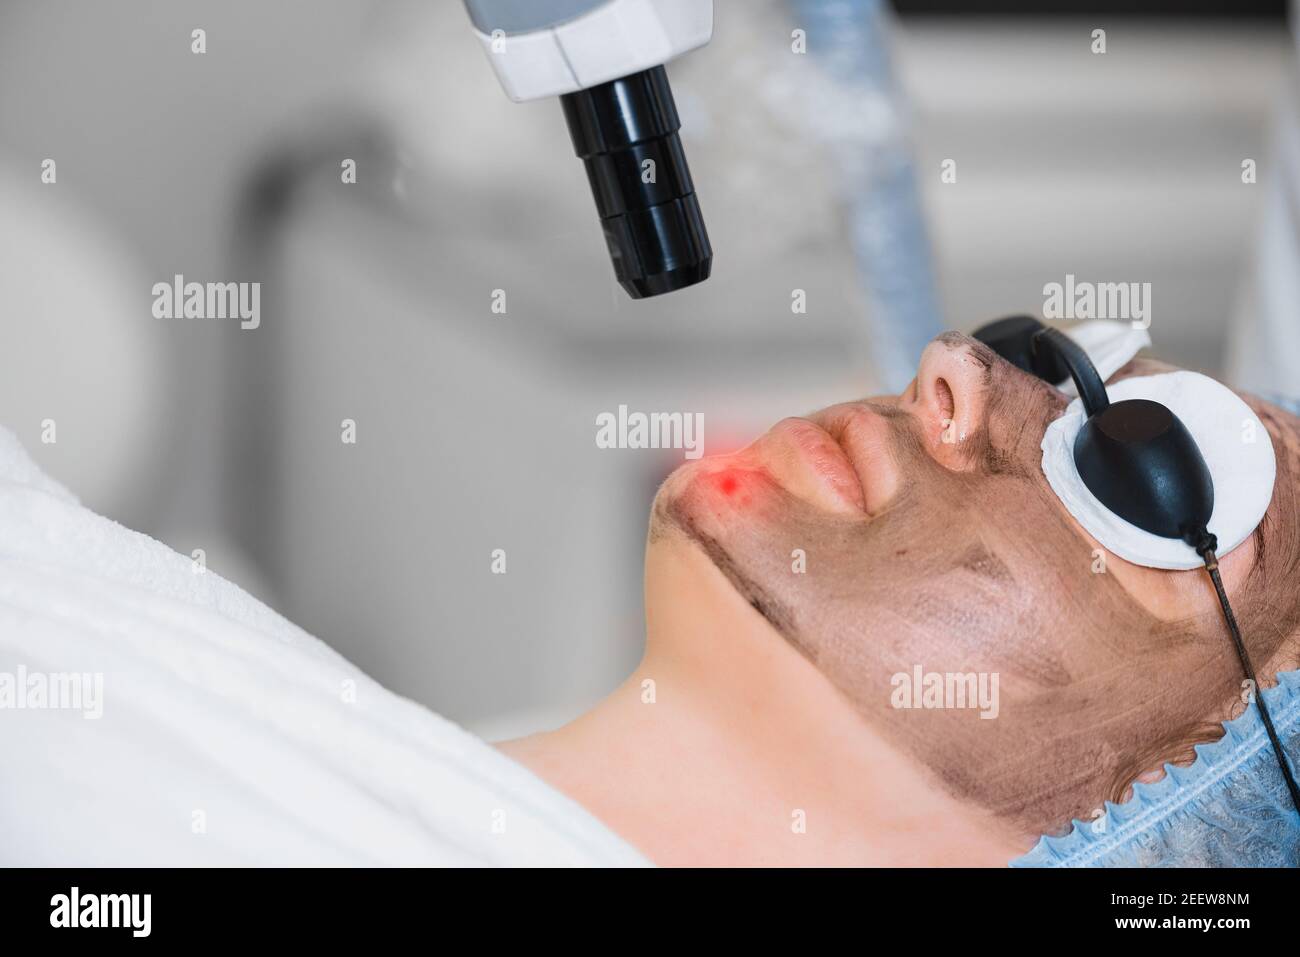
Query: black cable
x,y
1205,546
1053,343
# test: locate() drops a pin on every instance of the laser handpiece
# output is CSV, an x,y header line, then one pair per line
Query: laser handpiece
x,y
604,59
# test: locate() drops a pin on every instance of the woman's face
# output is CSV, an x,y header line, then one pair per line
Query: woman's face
x,y
917,531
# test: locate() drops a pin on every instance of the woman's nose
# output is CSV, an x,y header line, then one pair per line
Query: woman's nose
x,y
948,397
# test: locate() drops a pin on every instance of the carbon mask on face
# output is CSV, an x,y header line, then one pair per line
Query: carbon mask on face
x,y
968,574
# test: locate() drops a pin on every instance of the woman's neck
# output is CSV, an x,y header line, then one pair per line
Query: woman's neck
x,y
707,781
726,747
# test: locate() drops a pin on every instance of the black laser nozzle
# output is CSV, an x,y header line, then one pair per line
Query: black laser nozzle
x,y
625,132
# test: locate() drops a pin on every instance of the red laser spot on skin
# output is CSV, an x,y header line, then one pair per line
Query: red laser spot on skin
x,y
731,484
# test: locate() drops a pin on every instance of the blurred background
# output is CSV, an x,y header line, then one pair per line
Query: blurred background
x,y
475,430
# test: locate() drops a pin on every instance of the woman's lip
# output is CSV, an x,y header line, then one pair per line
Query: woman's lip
x,y
864,432
806,459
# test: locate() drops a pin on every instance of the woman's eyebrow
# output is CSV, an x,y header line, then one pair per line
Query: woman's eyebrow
x,y
1257,566
1284,439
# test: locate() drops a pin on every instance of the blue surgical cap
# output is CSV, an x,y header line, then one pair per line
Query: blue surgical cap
x,y
1229,808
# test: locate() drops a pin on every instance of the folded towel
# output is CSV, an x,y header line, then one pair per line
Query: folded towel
x,y
221,733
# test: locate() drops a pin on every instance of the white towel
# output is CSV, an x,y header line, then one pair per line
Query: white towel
x,y
227,735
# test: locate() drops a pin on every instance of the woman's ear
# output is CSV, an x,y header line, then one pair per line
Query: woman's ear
x,y
949,400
